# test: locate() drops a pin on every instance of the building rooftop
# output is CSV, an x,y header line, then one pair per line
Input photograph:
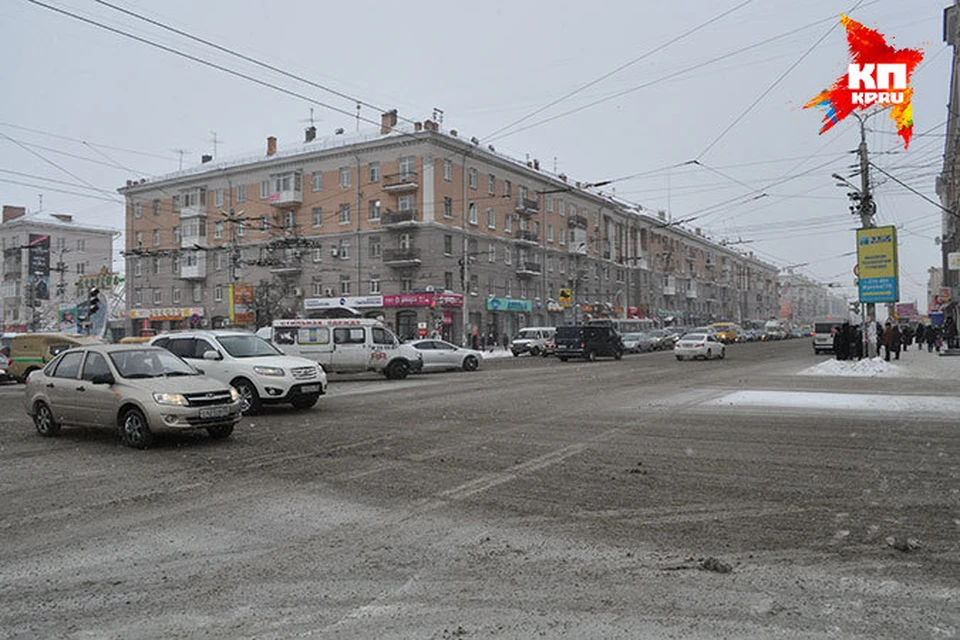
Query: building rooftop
x,y
47,218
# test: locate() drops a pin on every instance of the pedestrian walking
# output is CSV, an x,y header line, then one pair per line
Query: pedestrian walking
x,y
841,341
931,335
906,336
918,336
891,340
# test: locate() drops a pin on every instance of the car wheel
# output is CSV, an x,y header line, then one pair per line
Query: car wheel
x,y
591,356
723,354
134,430
44,421
679,358
618,355
220,431
249,398
563,358
304,402
515,354
534,351
470,363
398,370
709,354
26,375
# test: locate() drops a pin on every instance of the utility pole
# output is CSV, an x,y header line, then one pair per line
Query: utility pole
x,y
867,207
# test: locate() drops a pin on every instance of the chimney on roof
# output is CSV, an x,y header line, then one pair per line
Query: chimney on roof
x,y
205,158
311,134
430,125
271,146
12,213
418,126
453,132
388,121
536,164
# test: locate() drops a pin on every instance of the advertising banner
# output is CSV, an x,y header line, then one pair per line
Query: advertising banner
x,y
907,311
508,304
67,317
877,264
39,266
241,303
953,261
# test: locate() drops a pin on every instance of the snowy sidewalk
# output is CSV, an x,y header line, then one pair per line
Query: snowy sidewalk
x,y
912,364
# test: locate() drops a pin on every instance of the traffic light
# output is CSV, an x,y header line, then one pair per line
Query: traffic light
x,y
93,302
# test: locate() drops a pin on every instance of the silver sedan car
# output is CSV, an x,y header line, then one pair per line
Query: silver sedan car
x,y
135,389
440,355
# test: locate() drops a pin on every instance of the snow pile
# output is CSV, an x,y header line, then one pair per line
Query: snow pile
x,y
866,368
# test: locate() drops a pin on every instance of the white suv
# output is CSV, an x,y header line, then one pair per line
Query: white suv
x,y
260,372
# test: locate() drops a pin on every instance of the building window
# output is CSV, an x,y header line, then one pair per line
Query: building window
x,y
549,203
492,253
218,197
405,203
563,236
318,254
156,237
522,193
508,256
264,189
408,166
405,242
344,177
176,295
491,183
138,297
197,292
561,208
447,245
344,213
82,244
474,284
242,228
176,236
156,207
156,265
241,193
563,265
447,169
317,289
473,213
406,285
550,233
264,224
343,249
374,210
316,215
374,286
137,267
344,287
448,280
175,264
289,219
573,209
506,188
218,261
508,223
218,230
376,248
138,210
316,181
218,293
157,296
374,172
491,219
472,178
447,207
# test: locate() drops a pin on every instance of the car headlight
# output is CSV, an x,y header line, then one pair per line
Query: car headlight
x,y
234,394
171,398
269,371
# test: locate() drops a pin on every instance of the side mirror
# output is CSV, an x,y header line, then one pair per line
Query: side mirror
x,y
199,370
212,355
103,378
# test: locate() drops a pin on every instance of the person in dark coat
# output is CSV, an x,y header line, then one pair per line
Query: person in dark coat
x,y
930,335
950,333
891,340
918,336
841,341
857,342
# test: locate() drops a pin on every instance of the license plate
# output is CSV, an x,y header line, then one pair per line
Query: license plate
x,y
215,412
310,388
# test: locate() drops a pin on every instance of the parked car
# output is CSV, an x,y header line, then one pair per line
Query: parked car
x,y
440,355
638,342
137,389
31,351
699,345
588,342
260,372
532,340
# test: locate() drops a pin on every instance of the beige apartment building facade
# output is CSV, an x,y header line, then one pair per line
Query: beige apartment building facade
x,y
429,231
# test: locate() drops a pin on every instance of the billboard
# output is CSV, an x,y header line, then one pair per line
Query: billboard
x,y
241,303
877,266
38,261
67,318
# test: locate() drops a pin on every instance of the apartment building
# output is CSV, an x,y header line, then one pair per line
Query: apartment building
x,y
47,258
418,226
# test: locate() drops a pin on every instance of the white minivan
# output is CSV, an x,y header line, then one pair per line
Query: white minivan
x,y
345,345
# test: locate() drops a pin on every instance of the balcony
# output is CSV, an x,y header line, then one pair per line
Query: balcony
x,y
692,291
399,219
286,267
669,290
525,236
193,265
287,198
527,207
577,222
401,182
401,257
194,211
527,269
193,242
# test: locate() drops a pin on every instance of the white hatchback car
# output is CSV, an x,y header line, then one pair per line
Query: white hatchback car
x,y
260,372
440,355
699,345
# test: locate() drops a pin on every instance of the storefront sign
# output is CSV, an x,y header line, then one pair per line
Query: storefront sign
x,y
346,301
565,298
241,303
508,304
877,264
953,261
166,313
424,300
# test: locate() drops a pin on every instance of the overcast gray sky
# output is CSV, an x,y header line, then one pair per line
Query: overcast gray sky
x,y
85,109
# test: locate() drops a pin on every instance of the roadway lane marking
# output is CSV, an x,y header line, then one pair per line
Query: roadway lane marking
x,y
859,402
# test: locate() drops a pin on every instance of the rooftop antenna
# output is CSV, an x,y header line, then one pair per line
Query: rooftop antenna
x,y
180,152
358,116
438,117
215,141
40,196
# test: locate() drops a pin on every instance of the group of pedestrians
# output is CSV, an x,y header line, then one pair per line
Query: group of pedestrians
x,y
892,338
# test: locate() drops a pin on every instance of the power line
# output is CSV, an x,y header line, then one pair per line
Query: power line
x,y
78,140
630,63
52,163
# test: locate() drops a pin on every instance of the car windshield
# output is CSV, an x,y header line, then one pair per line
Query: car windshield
x,y
248,346
635,336
527,334
150,363
695,337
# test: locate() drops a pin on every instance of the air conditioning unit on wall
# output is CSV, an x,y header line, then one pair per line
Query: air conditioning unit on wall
x,y
328,292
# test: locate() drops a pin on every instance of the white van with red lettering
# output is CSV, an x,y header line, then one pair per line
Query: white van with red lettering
x,y
345,345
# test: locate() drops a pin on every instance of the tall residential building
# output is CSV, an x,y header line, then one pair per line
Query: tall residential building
x,y
47,258
420,227
948,183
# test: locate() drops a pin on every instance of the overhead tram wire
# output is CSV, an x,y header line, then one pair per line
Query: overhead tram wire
x,y
668,77
237,54
773,85
54,164
78,140
618,69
